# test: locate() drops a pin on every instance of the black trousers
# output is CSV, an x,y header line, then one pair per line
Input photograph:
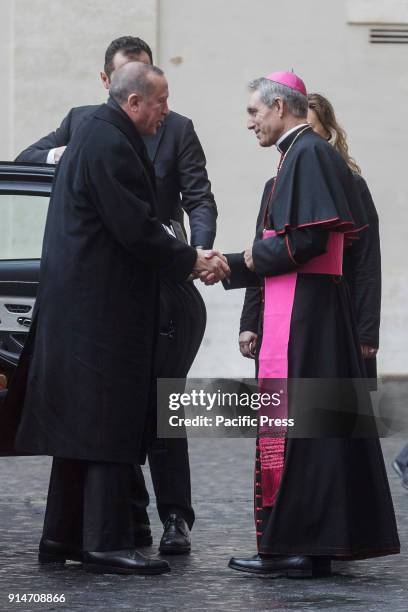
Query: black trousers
x,y
89,505
170,471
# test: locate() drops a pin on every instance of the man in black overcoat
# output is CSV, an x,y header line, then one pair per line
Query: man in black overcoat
x,y
90,386
180,168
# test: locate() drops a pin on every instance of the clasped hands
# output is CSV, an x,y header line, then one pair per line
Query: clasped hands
x,y
210,267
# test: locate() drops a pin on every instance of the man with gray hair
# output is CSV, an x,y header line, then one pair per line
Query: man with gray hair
x,y
313,500
182,188
138,77
90,388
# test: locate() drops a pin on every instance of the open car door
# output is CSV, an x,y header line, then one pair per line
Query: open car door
x,y
24,197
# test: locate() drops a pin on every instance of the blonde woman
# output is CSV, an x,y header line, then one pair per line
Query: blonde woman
x,y
362,263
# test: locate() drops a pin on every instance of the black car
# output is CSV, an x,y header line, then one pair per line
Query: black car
x,y
24,196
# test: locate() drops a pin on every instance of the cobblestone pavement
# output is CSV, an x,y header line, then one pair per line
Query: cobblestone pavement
x,y
222,473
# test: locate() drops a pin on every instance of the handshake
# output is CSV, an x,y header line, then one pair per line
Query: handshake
x,y
210,267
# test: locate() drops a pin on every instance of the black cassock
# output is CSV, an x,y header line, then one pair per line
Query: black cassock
x,y
334,497
362,270
91,382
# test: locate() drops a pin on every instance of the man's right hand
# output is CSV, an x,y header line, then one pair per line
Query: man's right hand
x,y
368,352
247,344
58,153
210,266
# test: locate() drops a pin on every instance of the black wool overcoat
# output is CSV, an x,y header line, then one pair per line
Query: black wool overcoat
x,y
90,384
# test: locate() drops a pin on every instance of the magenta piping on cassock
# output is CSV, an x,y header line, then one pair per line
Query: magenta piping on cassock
x,y
332,224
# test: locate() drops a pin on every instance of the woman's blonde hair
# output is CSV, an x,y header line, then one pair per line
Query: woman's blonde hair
x,y
338,137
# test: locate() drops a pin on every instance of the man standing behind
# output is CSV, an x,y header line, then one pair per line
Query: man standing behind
x,y
90,383
179,164
175,151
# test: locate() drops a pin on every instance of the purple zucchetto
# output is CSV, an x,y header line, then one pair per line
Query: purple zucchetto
x,y
289,79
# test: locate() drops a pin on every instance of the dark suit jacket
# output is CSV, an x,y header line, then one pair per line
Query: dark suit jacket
x,y
179,163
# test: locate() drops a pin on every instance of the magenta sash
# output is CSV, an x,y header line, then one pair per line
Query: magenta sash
x,y
279,295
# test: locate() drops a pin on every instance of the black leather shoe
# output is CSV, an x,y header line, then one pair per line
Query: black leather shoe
x,y
176,537
290,567
57,552
123,562
143,535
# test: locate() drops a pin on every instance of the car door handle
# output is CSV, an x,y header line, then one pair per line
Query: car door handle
x,y
9,356
11,348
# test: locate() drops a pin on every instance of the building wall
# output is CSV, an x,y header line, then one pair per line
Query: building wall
x,y
57,53
53,52
377,11
7,54
217,47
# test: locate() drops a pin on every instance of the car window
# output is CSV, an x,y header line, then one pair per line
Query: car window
x,y
22,222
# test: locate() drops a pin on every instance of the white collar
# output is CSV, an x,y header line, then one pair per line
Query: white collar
x,y
282,138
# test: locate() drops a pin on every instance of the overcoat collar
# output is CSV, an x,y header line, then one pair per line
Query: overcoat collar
x,y
112,113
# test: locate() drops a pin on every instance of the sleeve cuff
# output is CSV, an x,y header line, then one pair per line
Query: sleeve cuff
x,y
203,239
240,277
50,157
